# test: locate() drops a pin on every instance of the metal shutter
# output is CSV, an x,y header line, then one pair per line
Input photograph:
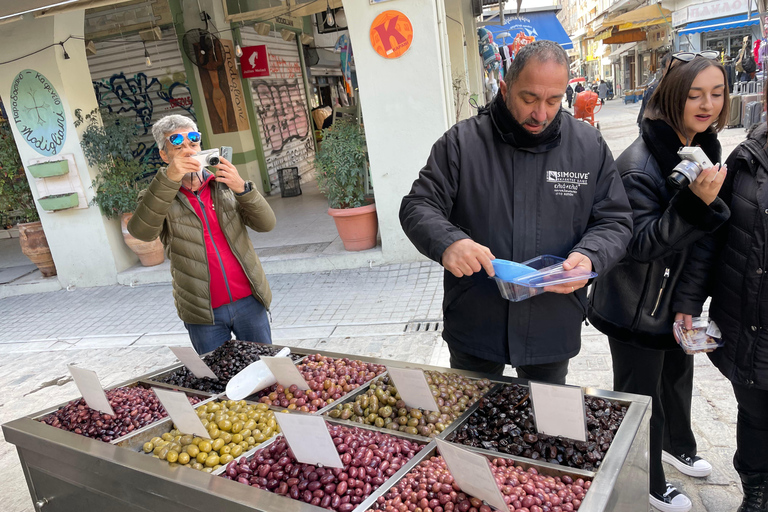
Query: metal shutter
x,y
124,84
281,107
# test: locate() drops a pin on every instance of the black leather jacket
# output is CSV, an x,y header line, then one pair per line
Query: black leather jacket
x,y
633,301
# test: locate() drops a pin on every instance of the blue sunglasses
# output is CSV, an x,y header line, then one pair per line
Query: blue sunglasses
x,y
177,139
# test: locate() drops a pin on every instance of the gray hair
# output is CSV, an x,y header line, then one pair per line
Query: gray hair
x,y
543,51
170,124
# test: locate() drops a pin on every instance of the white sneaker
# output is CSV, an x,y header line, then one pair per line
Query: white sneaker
x,y
672,501
691,466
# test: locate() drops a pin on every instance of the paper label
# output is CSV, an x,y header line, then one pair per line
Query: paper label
x,y
713,330
181,412
88,383
309,439
191,360
559,410
413,388
472,473
285,372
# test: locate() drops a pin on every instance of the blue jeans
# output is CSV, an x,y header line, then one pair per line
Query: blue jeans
x,y
247,318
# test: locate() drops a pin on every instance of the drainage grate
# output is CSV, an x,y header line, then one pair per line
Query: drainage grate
x,y
424,326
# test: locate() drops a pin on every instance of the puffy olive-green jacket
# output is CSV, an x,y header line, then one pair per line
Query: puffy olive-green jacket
x,y
165,211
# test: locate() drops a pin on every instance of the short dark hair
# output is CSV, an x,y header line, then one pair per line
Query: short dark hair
x,y
668,100
542,50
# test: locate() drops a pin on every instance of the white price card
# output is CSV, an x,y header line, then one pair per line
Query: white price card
x,y
559,410
472,473
181,412
88,383
413,388
309,439
285,372
191,360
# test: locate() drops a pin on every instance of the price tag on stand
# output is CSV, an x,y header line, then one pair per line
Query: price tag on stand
x,y
88,384
472,473
191,360
559,410
309,439
285,372
181,412
413,388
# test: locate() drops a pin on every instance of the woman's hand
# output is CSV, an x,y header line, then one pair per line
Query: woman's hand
x,y
687,320
708,183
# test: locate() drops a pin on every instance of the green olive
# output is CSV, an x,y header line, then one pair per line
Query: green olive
x,y
385,412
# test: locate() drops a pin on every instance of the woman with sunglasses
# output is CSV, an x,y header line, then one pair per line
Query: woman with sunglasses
x,y
632,303
734,258
219,286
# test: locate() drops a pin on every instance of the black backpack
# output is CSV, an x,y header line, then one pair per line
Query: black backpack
x,y
748,63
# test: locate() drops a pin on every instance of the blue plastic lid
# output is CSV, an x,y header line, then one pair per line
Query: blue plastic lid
x,y
508,270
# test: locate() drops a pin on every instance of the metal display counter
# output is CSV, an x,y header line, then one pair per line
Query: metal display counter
x,y
67,472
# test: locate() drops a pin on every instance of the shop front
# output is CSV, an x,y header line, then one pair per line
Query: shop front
x,y
720,25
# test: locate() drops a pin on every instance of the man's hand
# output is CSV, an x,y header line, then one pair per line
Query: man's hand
x,y
687,320
465,257
708,183
575,261
227,174
182,164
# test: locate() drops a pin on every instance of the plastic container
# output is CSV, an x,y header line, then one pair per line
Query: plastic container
x,y
508,270
548,272
703,337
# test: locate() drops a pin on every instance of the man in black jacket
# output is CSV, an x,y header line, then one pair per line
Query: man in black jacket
x,y
519,180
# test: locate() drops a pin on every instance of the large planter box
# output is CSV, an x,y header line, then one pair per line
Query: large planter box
x,y
59,202
49,169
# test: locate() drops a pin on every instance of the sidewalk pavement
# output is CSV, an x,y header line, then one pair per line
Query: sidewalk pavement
x,y
392,312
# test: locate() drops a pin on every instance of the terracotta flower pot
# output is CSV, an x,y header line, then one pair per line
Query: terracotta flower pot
x,y
357,227
34,245
149,253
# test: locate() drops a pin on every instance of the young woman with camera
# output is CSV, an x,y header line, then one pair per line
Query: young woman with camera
x,y
735,259
633,302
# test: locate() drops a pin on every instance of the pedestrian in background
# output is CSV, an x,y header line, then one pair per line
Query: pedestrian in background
x,y
579,87
734,259
569,95
652,87
219,286
499,185
632,303
602,91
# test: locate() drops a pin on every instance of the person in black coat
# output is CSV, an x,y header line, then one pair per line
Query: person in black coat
x,y
569,95
737,256
632,303
579,87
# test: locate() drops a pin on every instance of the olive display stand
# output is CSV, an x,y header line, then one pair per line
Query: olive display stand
x,y
67,472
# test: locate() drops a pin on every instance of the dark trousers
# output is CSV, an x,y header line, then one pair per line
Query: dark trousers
x,y
667,377
751,430
247,318
570,102
553,373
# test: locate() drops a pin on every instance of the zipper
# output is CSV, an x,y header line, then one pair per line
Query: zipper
x,y
186,204
661,291
213,242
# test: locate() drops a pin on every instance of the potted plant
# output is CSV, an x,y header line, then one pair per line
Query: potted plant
x,y
341,165
16,201
107,143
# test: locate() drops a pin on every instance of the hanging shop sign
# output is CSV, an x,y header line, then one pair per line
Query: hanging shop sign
x,y
391,34
255,61
223,94
38,113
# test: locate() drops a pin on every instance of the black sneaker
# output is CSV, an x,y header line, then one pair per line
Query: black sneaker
x,y
671,501
691,466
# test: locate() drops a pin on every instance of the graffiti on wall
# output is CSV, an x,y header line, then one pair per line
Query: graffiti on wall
x,y
143,97
282,111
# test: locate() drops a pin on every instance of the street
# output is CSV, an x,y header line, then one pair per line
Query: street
x,y
392,312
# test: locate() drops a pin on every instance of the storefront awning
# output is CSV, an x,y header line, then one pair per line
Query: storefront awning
x,y
542,25
622,49
642,17
742,20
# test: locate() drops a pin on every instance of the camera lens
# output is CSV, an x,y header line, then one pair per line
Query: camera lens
x,y
678,180
683,174
213,160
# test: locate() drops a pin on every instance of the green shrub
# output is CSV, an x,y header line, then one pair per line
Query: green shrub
x,y
341,164
15,195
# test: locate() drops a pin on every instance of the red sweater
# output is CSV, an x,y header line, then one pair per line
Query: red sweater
x,y
228,281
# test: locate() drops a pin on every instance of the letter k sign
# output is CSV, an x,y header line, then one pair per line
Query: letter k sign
x,y
391,34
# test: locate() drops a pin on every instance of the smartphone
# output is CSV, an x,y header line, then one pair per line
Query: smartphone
x,y
226,153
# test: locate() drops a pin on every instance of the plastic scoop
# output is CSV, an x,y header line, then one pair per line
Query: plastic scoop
x,y
253,378
509,270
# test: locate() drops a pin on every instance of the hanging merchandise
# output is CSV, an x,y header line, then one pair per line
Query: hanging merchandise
x,y
488,50
520,40
344,46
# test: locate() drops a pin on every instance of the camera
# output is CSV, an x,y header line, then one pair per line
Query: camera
x,y
207,157
694,161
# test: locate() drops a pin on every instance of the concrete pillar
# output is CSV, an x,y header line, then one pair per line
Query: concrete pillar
x,y
392,92
87,248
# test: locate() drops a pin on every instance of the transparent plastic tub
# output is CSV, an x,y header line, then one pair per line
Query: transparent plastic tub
x,y
548,272
703,337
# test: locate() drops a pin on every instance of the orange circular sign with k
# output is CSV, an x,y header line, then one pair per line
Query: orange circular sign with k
x,y
391,34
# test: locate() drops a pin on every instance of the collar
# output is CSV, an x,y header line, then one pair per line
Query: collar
x,y
514,134
663,143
